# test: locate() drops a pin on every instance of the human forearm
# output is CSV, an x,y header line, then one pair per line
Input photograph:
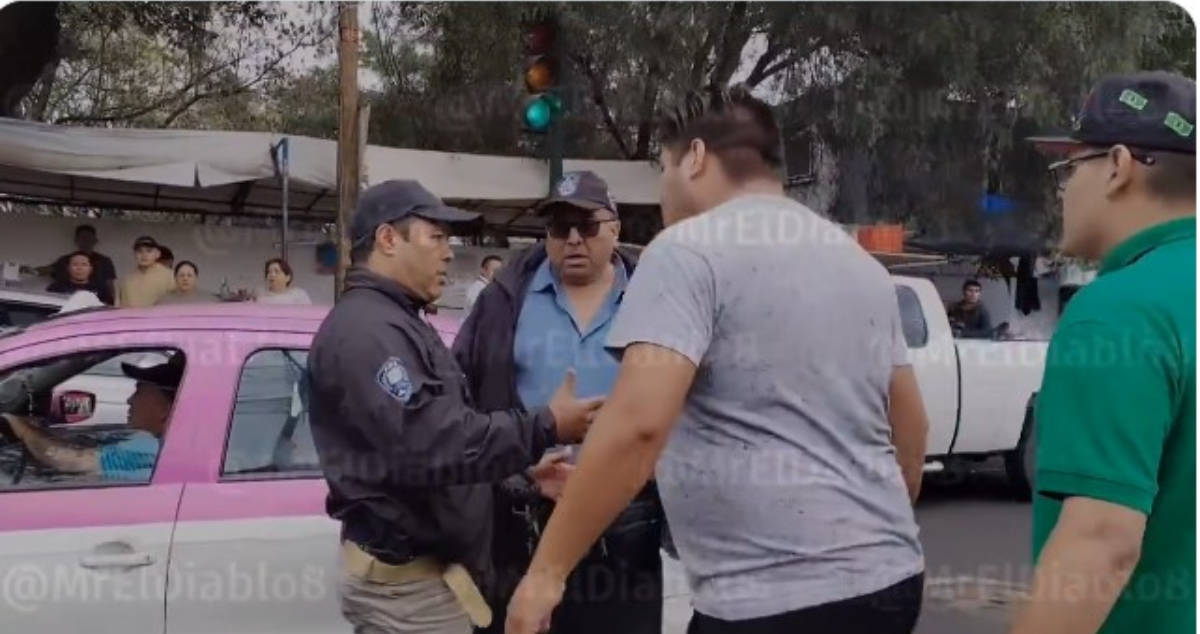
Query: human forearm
x,y
910,426
51,451
614,464
1082,570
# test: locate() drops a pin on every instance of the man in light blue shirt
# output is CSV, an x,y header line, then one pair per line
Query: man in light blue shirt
x,y
548,313
131,459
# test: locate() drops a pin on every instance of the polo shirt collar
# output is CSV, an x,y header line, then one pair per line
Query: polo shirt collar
x,y
1147,240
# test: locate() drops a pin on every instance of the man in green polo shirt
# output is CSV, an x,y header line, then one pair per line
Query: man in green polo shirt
x,y
1114,507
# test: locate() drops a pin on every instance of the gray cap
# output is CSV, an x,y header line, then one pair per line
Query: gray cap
x,y
394,200
584,190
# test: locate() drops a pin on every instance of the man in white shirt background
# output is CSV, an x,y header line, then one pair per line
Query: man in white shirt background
x,y
487,271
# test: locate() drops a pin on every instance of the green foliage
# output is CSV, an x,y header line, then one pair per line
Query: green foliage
x,y
923,106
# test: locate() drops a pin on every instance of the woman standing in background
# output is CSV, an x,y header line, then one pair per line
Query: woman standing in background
x,y
279,289
187,274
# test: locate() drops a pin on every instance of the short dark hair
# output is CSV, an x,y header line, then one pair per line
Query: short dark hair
x,y
737,127
972,284
195,269
71,256
283,266
165,254
360,251
84,229
489,258
1173,176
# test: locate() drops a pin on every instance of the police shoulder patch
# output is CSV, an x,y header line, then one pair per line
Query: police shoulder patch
x,y
393,378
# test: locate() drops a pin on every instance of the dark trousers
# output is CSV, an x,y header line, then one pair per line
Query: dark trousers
x,y
893,610
617,594
612,596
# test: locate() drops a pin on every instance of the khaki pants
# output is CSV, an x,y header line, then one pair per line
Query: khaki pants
x,y
425,606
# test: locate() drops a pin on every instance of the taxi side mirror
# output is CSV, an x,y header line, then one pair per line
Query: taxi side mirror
x,y
73,406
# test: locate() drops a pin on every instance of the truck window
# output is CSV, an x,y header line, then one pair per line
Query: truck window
x,y
912,319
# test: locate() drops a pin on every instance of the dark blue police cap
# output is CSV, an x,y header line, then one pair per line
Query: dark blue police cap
x,y
395,200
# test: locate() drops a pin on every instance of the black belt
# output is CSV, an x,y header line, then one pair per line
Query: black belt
x,y
383,545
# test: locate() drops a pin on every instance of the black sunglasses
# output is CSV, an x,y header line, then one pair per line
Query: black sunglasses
x,y
560,229
1064,169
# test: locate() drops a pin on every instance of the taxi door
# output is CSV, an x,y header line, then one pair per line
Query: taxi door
x,y
79,553
254,551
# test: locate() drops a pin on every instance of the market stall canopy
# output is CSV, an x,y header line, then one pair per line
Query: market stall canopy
x,y
221,172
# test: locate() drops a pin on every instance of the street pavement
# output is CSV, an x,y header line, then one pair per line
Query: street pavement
x,y
976,538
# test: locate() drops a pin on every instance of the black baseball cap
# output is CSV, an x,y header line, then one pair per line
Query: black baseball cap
x,y
145,241
582,190
1152,110
165,376
394,200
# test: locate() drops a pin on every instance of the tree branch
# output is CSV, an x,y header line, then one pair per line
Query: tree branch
x,y
137,112
598,98
762,71
46,84
733,40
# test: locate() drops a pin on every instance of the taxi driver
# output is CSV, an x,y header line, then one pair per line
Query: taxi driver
x,y
131,458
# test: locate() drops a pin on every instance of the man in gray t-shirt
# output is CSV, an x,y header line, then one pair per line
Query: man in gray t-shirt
x,y
762,355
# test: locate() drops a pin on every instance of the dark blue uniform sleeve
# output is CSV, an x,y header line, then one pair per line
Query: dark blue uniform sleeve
x,y
415,424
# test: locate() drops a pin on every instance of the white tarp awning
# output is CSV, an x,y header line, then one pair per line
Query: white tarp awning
x,y
235,172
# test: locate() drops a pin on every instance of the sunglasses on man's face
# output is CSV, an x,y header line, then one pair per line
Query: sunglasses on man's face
x,y
560,228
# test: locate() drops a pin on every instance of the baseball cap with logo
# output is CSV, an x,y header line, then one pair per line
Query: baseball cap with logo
x,y
583,190
1153,110
395,200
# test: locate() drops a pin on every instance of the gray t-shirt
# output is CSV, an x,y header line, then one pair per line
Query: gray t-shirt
x,y
780,481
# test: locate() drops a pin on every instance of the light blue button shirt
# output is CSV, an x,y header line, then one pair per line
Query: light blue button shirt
x,y
549,341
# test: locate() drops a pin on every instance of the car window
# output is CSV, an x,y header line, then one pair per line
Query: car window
x,y
912,318
269,435
101,428
15,314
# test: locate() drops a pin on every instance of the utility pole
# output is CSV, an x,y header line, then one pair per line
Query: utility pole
x,y
349,165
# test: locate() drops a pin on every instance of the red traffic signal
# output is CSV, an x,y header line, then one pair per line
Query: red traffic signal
x,y
539,38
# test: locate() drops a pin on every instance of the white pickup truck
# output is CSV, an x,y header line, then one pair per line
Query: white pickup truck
x,y
978,393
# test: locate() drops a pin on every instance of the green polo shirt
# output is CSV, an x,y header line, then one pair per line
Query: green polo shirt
x,y
1116,417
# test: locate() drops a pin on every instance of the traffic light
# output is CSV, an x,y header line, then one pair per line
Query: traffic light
x,y
543,106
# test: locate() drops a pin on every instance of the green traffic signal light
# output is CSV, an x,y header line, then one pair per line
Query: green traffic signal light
x,y
538,114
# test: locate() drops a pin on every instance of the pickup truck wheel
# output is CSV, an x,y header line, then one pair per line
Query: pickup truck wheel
x,y
1019,463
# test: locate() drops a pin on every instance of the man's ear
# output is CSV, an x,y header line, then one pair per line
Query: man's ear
x,y
693,161
1119,167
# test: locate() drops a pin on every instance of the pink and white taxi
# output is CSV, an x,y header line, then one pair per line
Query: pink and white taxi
x,y
227,532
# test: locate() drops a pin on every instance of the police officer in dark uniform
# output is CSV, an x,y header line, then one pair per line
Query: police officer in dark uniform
x,y
408,459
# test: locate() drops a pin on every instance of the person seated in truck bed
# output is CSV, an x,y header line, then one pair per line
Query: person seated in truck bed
x,y
968,317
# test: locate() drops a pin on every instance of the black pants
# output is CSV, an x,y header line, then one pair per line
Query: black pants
x,y
612,596
617,594
893,610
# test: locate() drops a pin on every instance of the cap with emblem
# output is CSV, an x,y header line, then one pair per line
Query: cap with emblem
x,y
584,190
395,200
1153,110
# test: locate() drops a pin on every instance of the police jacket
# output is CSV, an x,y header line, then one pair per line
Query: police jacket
x,y
408,459
484,349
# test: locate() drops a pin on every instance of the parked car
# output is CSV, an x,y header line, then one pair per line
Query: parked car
x,y
23,307
978,393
